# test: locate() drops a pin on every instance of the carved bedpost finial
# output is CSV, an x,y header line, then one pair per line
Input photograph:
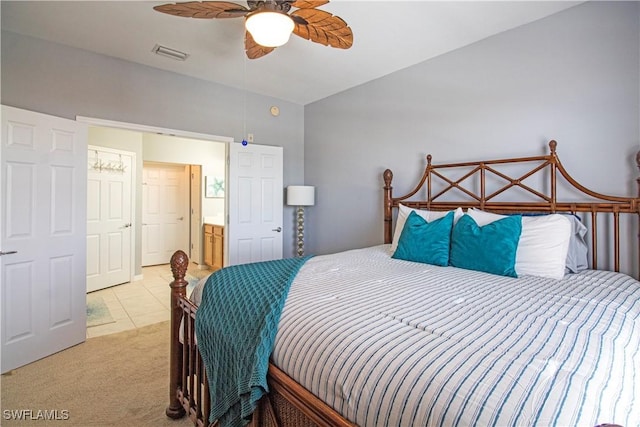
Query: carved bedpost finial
x,y
552,145
387,176
179,264
429,157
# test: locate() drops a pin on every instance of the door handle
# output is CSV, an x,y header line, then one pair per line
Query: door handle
x,y
181,218
279,229
126,225
8,253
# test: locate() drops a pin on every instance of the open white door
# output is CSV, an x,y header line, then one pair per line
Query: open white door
x,y
254,229
109,217
43,185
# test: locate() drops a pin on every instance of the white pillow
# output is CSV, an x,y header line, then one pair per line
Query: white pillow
x,y
578,254
543,246
403,213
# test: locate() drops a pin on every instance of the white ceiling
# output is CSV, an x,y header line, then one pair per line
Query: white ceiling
x,y
388,36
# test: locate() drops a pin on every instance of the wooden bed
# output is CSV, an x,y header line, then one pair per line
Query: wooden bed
x,y
288,403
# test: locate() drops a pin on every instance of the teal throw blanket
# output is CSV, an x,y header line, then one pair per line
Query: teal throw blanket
x,y
236,325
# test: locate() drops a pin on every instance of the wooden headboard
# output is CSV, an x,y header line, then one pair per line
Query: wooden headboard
x,y
446,180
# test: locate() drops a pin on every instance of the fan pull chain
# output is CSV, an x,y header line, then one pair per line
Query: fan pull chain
x,y
244,102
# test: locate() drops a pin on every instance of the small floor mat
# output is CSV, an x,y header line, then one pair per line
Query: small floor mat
x,y
97,311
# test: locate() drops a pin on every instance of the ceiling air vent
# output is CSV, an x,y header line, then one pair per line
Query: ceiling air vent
x,y
169,53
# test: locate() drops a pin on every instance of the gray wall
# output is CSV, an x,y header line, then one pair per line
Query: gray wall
x,y
67,82
573,77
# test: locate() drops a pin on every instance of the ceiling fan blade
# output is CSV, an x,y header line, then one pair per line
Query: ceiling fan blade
x,y
322,27
253,49
308,4
204,9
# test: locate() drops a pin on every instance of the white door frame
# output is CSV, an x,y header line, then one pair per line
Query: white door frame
x,y
133,201
152,129
92,121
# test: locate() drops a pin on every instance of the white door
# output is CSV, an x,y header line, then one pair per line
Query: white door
x,y
165,208
109,217
254,231
43,162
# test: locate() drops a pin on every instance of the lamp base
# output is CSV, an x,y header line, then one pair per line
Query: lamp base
x,y
300,230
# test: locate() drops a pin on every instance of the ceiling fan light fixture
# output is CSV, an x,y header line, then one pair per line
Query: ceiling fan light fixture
x,y
269,29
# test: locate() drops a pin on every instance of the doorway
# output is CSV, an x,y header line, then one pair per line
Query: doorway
x,y
206,153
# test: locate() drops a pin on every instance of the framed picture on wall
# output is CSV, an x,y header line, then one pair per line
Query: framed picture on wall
x,y
213,187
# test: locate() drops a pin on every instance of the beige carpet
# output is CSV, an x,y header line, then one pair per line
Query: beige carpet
x,y
113,380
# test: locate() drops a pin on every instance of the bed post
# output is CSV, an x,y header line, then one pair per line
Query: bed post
x,y
638,210
554,164
638,164
179,264
388,215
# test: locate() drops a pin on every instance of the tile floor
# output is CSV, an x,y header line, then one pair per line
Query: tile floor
x,y
140,303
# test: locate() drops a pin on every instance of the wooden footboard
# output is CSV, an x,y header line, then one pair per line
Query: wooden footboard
x,y
287,404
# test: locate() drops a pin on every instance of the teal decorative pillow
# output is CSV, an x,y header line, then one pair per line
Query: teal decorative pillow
x,y
491,248
427,242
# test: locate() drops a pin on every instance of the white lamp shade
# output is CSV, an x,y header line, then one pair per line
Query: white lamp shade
x,y
269,29
301,195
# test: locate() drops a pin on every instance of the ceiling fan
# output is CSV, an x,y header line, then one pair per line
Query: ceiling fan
x,y
268,23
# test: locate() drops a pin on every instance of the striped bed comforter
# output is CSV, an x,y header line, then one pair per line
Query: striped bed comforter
x,y
394,343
